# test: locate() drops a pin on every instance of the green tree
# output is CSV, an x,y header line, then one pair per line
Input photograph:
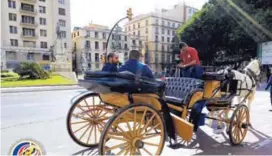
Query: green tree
x,y
228,31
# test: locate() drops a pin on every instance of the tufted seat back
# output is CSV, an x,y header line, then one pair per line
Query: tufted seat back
x,y
181,87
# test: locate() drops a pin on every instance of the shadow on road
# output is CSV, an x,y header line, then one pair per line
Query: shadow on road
x,y
88,151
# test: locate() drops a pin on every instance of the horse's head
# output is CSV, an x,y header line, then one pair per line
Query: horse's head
x,y
254,69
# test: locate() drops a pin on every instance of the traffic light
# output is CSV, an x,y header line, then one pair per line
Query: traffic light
x,y
129,14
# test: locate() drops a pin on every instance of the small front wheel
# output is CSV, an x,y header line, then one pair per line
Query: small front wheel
x,y
137,129
239,124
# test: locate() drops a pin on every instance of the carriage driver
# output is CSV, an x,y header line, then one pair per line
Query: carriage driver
x,y
112,61
134,65
190,61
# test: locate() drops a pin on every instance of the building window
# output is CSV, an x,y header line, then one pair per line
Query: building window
x,y
27,7
133,33
61,11
31,44
157,21
88,44
104,45
11,55
128,28
134,42
146,30
42,21
42,0
14,42
156,38
140,43
104,35
62,23
63,34
13,29
157,30
43,33
133,26
12,17
96,44
96,34
126,47
30,56
96,57
139,33
168,32
61,1
28,32
28,19
146,38
162,30
146,22
44,45
168,23
78,33
162,48
45,57
11,4
139,25
168,39
119,37
162,38
178,25
125,38
65,45
173,25
173,33
162,23
42,9
156,47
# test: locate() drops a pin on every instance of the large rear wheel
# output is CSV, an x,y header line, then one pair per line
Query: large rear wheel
x,y
137,129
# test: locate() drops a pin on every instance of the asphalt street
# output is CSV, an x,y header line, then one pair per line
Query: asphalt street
x,y
41,116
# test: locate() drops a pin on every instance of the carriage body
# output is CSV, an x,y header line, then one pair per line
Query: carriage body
x,y
141,104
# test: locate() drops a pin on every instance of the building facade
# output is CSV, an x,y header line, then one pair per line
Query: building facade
x,y
189,12
29,30
89,44
159,28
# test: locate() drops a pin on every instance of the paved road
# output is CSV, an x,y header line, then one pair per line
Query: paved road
x,y
41,116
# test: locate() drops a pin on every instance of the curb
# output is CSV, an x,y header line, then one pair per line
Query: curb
x,y
40,88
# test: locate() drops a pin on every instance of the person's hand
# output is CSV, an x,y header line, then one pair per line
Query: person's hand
x,y
181,66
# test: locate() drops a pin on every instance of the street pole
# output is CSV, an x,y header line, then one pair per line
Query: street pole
x,y
110,36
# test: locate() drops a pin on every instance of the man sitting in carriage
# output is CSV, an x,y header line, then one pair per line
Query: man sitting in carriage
x,y
112,61
134,65
190,62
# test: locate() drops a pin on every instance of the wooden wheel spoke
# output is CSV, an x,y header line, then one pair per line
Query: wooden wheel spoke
x,y
134,120
103,114
90,134
95,139
142,120
148,122
151,144
138,150
81,128
117,146
150,136
147,151
84,111
123,150
151,129
79,122
87,106
116,138
127,150
83,134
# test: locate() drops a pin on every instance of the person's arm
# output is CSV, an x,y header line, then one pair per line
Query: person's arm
x,y
148,72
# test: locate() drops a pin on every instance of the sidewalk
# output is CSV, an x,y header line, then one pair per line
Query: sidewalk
x,y
40,88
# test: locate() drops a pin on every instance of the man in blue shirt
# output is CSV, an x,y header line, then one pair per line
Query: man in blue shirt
x,y
112,61
269,85
134,66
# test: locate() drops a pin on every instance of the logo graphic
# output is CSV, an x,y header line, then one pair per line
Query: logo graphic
x,y
27,147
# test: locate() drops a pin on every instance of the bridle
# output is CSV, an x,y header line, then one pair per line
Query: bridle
x,y
253,76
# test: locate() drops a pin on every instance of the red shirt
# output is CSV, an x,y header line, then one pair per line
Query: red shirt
x,y
190,55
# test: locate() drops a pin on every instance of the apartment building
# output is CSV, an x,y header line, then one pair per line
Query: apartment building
x,y
159,29
92,39
29,30
189,12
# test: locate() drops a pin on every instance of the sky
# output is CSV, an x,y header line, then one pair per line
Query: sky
x,y
107,12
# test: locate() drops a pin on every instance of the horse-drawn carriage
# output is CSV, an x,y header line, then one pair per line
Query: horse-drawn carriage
x,y
130,115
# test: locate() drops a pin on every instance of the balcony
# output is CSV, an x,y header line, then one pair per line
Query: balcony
x,y
26,36
29,1
25,10
29,24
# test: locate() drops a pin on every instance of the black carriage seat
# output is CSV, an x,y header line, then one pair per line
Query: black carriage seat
x,y
178,91
125,82
213,76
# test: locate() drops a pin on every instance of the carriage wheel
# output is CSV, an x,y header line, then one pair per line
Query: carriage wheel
x,y
131,132
239,125
87,118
